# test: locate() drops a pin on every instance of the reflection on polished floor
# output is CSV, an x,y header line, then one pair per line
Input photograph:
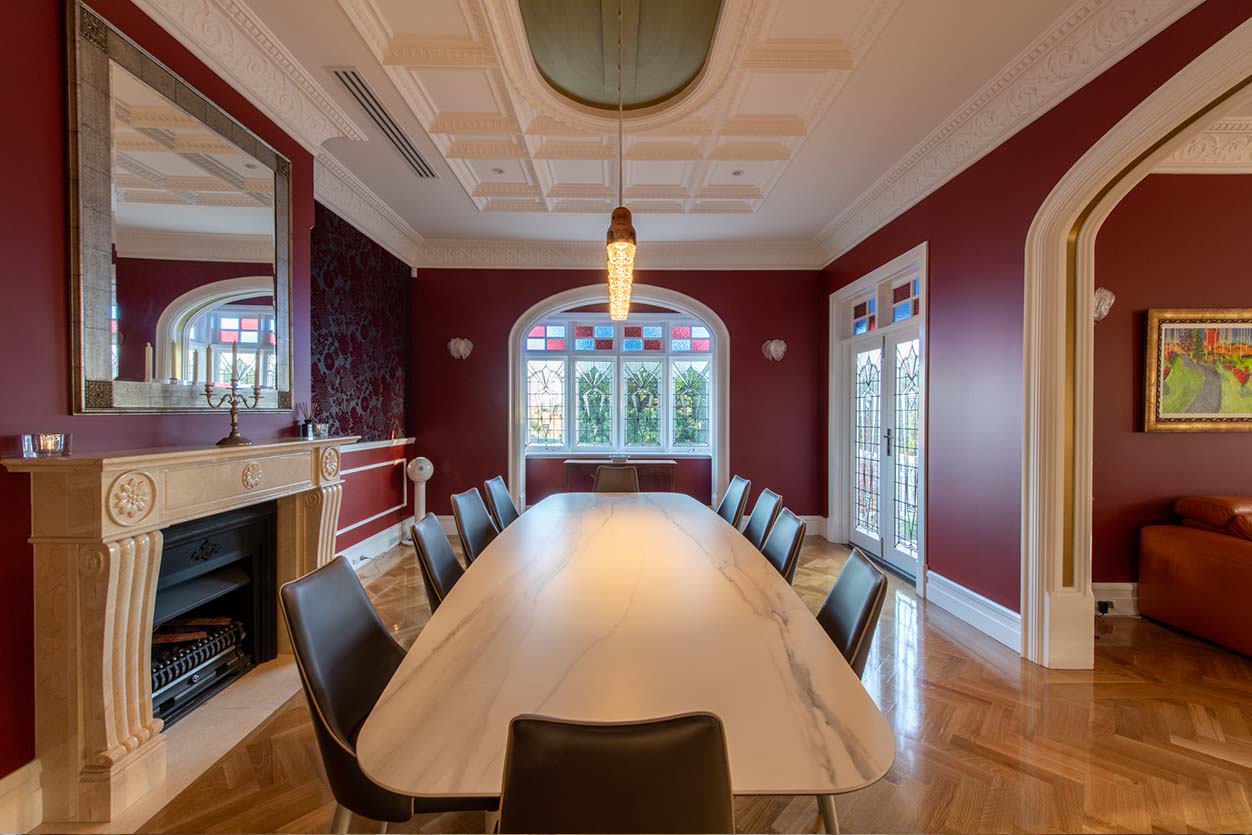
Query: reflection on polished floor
x,y
1157,737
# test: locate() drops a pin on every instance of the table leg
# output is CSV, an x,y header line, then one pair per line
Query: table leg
x,y
830,817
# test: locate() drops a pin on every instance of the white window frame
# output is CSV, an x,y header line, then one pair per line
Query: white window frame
x,y
619,356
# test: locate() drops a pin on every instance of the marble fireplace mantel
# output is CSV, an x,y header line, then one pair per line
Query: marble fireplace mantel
x,y
96,522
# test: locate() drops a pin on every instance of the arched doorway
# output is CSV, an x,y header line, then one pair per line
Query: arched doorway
x,y
595,294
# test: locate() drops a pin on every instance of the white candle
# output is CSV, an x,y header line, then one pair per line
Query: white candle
x,y
195,366
234,362
147,362
176,365
208,364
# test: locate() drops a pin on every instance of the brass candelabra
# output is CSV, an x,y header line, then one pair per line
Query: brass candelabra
x,y
235,399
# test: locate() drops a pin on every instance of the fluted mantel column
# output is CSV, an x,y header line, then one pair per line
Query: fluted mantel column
x,y
96,523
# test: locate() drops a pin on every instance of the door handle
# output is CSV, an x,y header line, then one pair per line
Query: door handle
x,y
888,437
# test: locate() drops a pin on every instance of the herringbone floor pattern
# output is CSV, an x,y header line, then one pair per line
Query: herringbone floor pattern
x,y
1158,738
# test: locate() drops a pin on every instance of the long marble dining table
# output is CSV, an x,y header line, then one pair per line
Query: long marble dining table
x,y
616,607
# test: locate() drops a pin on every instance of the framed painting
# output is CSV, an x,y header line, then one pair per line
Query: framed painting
x,y
1199,371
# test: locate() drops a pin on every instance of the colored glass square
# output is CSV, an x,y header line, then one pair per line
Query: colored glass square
x,y
556,331
113,326
860,326
699,344
604,344
273,338
652,332
632,330
899,294
556,344
873,305
681,332
250,324
917,306
534,344
604,332
680,344
699,333
632,343
917,287
584,343
859,311
873,322
901,311
537,330
652,344
229,324
229,336
584,330
251,337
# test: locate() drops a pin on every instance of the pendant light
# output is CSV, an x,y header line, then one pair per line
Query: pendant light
x,y
620,247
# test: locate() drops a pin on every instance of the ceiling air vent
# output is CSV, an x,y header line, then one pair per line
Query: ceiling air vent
x,y
355,84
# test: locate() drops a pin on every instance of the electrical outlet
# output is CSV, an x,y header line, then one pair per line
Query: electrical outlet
x,y
1103,606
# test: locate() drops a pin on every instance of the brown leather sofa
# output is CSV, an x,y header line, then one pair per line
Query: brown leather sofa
x,y
1197,576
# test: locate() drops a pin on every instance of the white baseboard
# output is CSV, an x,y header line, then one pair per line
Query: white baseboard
x,y
1123,596
985,615
21,799
448,522
815,526
375,546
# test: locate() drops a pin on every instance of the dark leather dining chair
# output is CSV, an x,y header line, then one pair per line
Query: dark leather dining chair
x,y
473,523
438,564
658,775
616,480
764,512
500,503
782,546
346,656
735,501
851,611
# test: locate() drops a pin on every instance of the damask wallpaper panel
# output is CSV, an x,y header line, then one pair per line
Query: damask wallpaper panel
x,y
360,332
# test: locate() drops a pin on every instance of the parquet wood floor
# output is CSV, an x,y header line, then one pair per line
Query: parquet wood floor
x,y
1158,738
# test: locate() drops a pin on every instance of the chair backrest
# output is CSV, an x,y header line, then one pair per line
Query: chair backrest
x,y
850,613
500,503
764,512
616,480
659,775
345,657
782,546
735,501
440,570
473,523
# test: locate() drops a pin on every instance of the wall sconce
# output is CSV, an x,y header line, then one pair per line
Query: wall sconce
x,y
459,348
1104,299
774,349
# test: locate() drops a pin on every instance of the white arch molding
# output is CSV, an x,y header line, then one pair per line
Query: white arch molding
x,y
1056,614
182,312
597,294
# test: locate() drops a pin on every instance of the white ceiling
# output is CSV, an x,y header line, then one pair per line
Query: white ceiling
x,y
856,108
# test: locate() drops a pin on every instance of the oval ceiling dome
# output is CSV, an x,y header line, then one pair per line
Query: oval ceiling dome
x,y
664,45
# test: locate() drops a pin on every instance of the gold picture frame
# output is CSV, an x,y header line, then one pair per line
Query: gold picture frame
x,y
1208,354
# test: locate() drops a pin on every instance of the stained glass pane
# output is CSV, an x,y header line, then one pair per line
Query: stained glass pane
x,y
652,345
584,344
907,441
556,331
632,330
873,322
251,337
652,331
273,338
859,311
642,381
250,324
228,324
917,287
681,332
691,380
556,344
680,344
867,440
630,343
229,336
604,331
873,305
594,389
247,367
902,311
700,344
545,402
534,344
860,326
537,330
584,330
698,332
901,293
604,344
917,306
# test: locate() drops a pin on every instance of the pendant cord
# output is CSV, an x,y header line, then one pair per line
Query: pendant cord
x,y
620,117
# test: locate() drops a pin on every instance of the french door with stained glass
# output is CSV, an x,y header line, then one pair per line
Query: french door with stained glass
x,y
886,438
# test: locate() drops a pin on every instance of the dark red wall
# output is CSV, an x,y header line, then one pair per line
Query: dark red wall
x,y
777,426
371,490
34,320
545,476
1177,240
146,286
976,226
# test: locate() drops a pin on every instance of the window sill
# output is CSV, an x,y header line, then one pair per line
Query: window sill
x,y
636,453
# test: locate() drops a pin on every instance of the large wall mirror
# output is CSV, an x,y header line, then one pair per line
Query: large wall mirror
x,y
180,240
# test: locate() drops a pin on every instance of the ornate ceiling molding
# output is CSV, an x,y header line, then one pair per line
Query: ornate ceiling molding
x,y
231,39
193,246
341,192
1090,38
581,255
1225,148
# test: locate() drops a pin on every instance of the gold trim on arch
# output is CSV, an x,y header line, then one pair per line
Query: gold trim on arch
x,y
1071,314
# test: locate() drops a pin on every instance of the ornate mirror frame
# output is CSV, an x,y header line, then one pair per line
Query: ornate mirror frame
x,y
90,45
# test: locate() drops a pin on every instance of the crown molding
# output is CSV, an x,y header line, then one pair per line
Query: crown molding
x,y
231,39
1092,36
338,189
466,253
1225,148
193,246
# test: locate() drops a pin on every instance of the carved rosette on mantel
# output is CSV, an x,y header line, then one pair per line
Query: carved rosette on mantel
x,y
96,523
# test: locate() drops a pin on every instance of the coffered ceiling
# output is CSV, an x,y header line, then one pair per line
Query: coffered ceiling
x,y
810,124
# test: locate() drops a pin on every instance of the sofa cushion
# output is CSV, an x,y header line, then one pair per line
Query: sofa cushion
x,y
1213,510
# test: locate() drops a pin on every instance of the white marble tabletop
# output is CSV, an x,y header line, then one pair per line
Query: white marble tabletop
x,y
611,607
